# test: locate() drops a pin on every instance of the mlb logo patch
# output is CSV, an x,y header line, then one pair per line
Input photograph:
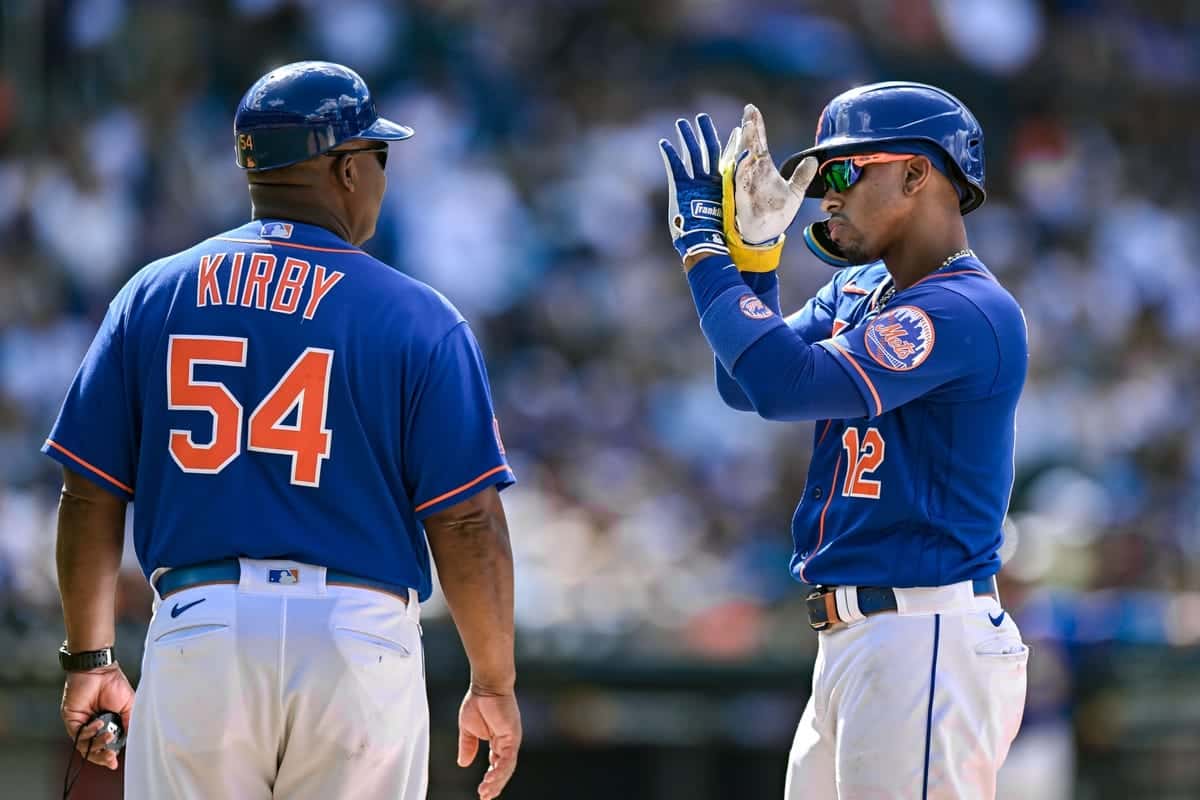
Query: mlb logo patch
x,y
284,576
276,230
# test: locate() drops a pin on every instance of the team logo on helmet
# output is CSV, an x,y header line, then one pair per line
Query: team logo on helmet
x,y
900,339
753,308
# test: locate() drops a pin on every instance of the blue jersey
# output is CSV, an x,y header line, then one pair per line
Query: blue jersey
x,y
915,493
275,392
915,397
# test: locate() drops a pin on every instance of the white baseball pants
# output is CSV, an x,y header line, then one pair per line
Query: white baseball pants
x,y
919,704
292,689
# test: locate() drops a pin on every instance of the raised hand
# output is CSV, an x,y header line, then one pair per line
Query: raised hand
x,y
765,202
694,189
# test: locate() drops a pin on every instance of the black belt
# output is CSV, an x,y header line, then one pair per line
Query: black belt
x,y
822,604
230,571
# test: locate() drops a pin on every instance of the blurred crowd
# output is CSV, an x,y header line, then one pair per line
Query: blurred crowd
x,y
649,518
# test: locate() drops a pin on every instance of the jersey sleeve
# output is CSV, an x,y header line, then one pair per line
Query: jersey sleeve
x,y
812,323
937,342
766,286
95,434
453,448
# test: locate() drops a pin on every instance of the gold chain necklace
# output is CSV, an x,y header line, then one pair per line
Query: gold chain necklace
x,y
887,296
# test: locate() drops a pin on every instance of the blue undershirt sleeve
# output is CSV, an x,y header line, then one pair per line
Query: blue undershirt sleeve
x,y
785,377
766,286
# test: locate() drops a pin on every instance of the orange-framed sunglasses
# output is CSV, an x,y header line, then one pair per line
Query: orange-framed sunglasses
x,y
840,174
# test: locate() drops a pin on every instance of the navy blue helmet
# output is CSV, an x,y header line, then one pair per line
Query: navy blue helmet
x,y
301,110
895,117
882,117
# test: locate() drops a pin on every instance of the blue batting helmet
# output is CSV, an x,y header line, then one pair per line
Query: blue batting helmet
x,y
897,117
300,110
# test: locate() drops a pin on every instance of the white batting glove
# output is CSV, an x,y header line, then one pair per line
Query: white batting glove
x,y
765,204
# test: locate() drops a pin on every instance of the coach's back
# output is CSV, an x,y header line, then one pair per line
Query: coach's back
x,y
287,396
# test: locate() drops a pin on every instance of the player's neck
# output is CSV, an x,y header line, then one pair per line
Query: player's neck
x,y
297,210
921,252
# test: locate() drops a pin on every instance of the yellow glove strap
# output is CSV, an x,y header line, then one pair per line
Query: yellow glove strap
x,y
747,257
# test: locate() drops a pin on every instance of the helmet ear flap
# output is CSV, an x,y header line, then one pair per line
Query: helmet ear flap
x,y
816,237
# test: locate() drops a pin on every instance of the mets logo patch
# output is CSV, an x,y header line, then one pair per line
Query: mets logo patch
x,y
900,339
753,308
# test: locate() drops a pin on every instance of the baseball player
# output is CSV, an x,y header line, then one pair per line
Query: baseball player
x,y
295,421
911,360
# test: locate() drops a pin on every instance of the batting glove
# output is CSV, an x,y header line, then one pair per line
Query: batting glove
x,y
694,190
759,204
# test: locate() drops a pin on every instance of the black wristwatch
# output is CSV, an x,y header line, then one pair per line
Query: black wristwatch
x,y
83,661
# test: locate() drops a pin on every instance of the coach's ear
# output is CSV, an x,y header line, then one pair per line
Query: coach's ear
x,y
345,172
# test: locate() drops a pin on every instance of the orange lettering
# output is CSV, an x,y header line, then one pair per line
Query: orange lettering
x,y
895,336
235,277
207,286
321,287
291,281
258,276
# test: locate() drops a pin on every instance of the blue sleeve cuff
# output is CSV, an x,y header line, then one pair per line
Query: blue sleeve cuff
x,y
95,474
761,281
766,286
731,316
711,276
734,321
500,476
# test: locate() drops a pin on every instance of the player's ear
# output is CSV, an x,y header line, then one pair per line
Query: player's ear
x,y
917,172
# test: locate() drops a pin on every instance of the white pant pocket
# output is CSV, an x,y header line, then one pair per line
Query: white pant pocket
x,y
1003,650
373,639
188,632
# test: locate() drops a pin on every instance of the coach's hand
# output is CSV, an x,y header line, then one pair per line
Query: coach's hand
x,y
496,719
694,190
87,693
759,204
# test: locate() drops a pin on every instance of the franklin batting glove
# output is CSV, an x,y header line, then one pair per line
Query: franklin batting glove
x,y
694,190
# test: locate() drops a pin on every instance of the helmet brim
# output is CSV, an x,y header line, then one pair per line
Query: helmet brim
x,y
841,146
848,146
384,130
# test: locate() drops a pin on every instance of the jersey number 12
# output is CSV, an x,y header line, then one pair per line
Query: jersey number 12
x,y
304,388
863,455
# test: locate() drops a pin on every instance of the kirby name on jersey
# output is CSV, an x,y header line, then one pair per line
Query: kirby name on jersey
x,y
233,282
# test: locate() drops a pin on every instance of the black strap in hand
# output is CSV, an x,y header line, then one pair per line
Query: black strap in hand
x,y
113,720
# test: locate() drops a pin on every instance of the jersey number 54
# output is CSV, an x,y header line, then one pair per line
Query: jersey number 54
x,y
304,388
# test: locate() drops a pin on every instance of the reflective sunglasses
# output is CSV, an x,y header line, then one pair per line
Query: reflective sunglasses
x,y
840,174
380,150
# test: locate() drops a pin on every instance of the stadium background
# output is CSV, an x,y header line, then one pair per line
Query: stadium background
x,y
662,647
